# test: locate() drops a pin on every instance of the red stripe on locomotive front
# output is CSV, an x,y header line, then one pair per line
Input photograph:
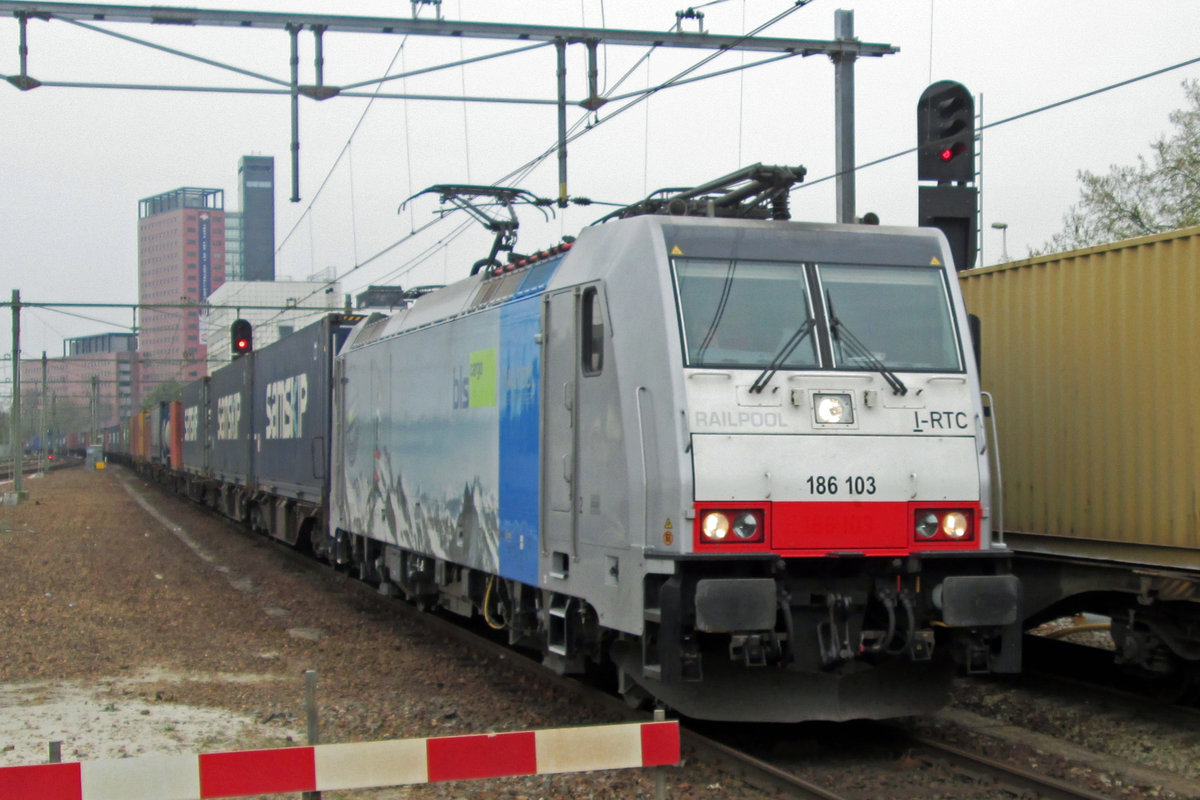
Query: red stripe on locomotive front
x,y
827,528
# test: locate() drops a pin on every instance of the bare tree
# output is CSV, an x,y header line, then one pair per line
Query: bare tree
x,y
1158,194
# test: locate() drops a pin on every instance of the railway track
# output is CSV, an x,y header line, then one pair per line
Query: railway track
x,y
869,760
929,761
31,466
887,762
1004,775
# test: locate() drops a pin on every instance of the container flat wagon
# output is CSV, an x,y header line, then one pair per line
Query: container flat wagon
x,y
1089,357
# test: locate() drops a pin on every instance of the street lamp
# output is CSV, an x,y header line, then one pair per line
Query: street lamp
x,y
1003,228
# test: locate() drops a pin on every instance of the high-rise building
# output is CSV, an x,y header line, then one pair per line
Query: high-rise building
x,y
256,196
92,383
233,245
181,260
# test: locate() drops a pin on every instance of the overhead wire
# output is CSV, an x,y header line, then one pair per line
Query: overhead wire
x,y
741,97
408,138
1015,117
462,74
403,76
66,313
574,132
523,171
529,166
338,159
423,256
646,95
329,174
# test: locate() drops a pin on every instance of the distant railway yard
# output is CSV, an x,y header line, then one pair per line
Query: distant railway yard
x,y
138,624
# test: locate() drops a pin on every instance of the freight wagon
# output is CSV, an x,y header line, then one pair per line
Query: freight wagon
x,y
254,437
1090,358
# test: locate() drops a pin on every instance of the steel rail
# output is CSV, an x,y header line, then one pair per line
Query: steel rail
x,y
1043,786
757,772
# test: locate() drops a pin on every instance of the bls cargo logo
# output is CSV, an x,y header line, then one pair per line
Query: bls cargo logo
x,y
229,416
475,386
287,400
191,423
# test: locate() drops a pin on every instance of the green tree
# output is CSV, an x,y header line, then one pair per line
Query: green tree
x,y
165,392
1158,194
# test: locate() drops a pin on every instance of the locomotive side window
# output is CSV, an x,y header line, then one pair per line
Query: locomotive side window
x,y
901,315
744,314
592,329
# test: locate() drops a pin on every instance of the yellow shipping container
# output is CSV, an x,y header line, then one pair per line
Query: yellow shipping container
x,y
1091,357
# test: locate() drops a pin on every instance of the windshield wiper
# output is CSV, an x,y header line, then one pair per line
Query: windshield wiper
x,y
856,348
722,301
790,345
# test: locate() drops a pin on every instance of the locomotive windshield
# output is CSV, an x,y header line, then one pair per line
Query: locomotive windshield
x,y
748,314
901,315
741,313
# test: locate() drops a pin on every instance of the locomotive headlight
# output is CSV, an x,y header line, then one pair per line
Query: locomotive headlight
x,y
954,525
943,525
715,526
732,527
927,525
833,409
745,525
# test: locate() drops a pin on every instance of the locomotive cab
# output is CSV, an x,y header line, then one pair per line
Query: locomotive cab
x,y
840,527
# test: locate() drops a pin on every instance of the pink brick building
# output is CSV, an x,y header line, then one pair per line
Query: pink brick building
x,y
181,259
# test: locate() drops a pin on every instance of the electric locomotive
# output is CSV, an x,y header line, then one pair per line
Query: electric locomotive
x,y
741,459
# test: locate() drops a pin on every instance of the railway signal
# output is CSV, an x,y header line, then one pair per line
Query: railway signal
x,y
946,154
946,134
241,337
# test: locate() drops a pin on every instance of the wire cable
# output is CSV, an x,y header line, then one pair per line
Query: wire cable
x,y
578,129
338,159
646,95
1021,115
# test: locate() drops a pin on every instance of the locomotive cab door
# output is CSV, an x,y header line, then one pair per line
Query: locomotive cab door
x,y
560,396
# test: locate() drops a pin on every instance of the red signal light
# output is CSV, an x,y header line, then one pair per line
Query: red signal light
x,y
241,337
948,153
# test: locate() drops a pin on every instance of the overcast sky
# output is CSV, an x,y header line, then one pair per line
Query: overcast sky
x,y
75,162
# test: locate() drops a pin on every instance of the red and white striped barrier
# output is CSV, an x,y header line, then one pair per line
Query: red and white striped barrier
x,y
362,765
